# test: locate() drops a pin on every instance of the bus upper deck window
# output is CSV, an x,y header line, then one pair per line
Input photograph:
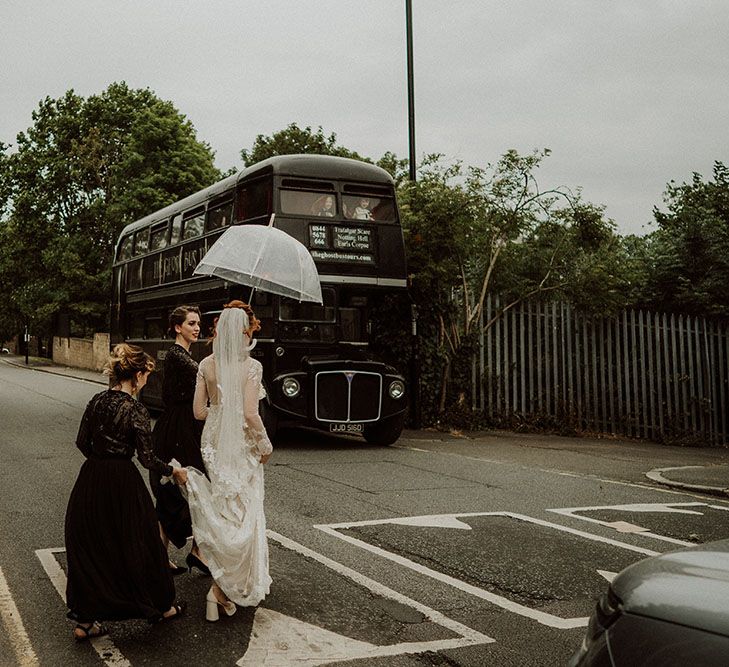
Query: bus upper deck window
x,y
301,202
141,241
366,207
125,248
193,226
176,230
158,237
220,216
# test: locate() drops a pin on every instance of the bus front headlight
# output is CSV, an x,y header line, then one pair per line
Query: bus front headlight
x,y
290,387
396,389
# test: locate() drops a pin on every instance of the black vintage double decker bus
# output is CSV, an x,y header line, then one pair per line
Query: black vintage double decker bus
x,y
318,370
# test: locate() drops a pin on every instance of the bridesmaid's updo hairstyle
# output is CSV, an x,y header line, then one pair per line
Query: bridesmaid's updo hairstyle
x,y
179,315
125,362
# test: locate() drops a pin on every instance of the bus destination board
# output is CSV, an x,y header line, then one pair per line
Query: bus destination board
x,y
352,238
330,243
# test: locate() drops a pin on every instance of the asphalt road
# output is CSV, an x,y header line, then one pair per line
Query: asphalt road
x,y
441,550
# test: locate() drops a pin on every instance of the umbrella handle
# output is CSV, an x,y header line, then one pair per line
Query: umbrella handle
x,y
253,289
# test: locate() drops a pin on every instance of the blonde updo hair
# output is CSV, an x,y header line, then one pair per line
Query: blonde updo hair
x,y
125,362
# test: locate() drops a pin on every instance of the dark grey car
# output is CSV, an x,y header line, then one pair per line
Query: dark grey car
x,y
671,609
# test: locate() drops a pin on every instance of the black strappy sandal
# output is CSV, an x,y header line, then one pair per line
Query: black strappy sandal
x,y
92,632
179,608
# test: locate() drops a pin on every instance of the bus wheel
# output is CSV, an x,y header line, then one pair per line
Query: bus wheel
x,y
270,419
385,432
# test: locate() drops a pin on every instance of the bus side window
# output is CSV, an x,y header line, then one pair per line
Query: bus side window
x,y
193,226
125,249
158,237
254,199
176,230
134,274
207,323
220,216
136,326
141,241
154,328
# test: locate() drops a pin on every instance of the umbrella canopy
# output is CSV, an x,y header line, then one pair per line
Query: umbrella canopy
x,y
264,258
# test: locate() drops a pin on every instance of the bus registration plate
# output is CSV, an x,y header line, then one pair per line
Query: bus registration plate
x,y
346,428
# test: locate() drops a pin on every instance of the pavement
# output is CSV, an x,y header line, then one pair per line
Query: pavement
x,y
710,479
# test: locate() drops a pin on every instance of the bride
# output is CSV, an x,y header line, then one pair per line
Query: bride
x,y
227,510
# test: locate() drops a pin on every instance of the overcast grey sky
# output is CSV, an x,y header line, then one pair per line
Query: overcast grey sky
x,y
628,94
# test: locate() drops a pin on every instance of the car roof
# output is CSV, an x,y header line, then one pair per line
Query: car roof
x,y
689,587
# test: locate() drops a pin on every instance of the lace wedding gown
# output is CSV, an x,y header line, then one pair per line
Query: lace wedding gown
x,y
227,510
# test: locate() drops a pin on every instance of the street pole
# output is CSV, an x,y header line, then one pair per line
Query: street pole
x,y
26,339
415,415
411,86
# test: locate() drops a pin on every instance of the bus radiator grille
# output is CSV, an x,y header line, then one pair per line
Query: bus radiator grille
x,y
348,396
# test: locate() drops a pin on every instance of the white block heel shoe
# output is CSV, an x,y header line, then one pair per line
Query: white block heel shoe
x,y
211,607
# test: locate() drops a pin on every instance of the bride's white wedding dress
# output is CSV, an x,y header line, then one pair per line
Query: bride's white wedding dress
x,y
227,509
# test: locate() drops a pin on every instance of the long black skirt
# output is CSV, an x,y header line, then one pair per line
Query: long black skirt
x,y
117,565
176,436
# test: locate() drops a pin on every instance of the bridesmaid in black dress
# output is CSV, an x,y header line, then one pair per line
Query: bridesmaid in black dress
x,y
117,567
177,434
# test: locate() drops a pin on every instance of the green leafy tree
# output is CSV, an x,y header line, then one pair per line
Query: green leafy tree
x,y
81,172
293,140
494,231
398,168
688,255
575,255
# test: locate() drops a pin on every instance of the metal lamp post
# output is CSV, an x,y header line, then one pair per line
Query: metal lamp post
x,y
416,415
411,86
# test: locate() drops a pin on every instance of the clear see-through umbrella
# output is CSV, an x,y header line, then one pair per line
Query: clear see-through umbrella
x,y
264,258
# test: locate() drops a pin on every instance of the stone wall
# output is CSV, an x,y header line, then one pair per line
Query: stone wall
x,y
82,352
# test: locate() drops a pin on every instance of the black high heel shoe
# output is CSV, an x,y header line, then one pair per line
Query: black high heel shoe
x,y
193,561
176,569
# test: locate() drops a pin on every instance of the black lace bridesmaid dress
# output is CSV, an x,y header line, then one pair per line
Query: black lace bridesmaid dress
x,y
117,565
176,435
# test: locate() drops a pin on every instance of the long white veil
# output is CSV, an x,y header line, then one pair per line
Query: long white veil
x,y
231,347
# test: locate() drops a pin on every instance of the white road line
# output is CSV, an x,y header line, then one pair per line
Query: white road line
x,y
513,515
500,601
106,649
276,656
674,508
504,603
350,650
24,653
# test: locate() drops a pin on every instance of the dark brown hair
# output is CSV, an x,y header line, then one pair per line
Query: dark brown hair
x,y
125,362
179,315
